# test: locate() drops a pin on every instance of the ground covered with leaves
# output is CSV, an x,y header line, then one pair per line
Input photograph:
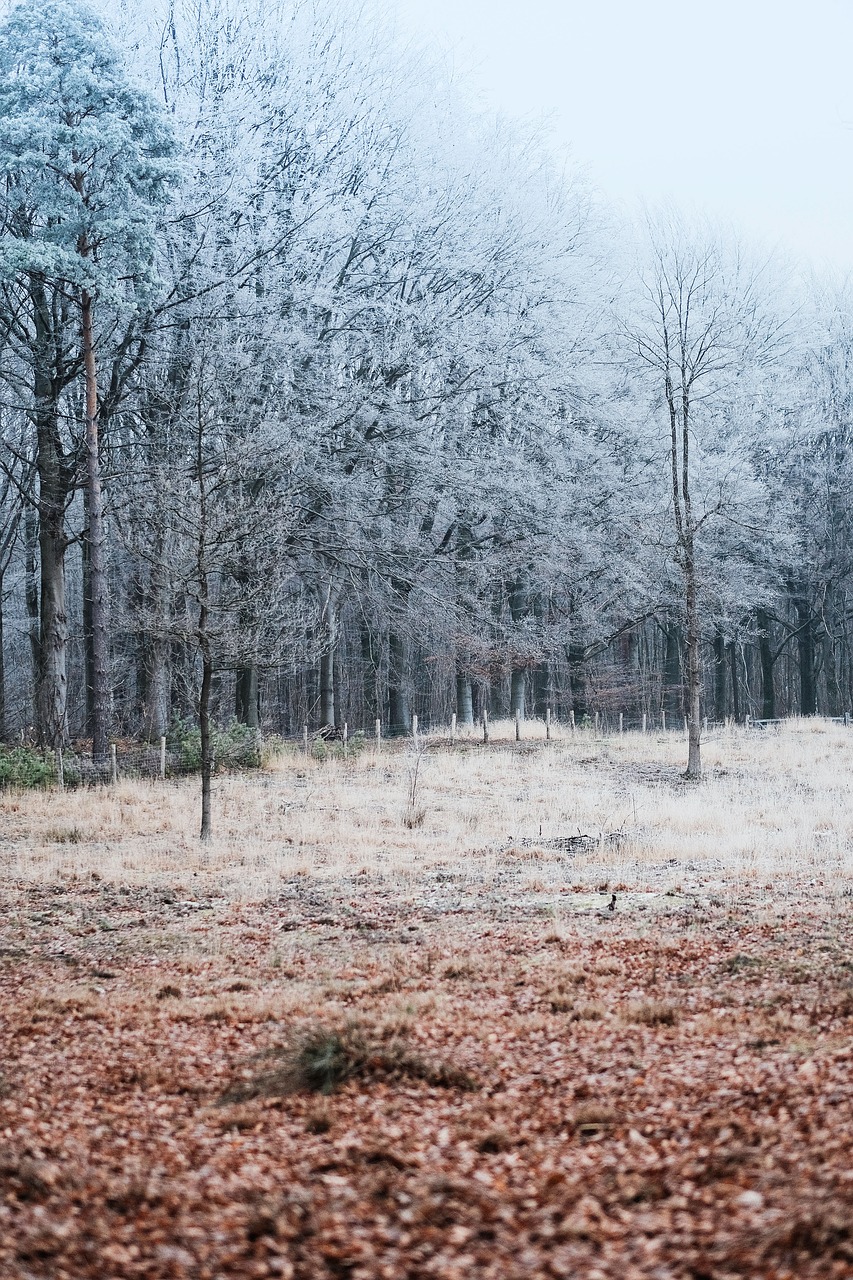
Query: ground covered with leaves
x,y
342,1081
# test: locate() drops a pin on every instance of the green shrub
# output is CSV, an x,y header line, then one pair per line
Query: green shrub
x,y
25,767
236,747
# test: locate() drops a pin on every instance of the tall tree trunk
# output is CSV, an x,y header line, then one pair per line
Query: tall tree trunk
x,y
96,542
399,700
154,649
694,668
464,699
735,682
517,693
519,607
370,692
327,689
399,710
329,639
765,653
31,592
2,671
51,696
578,681
203,637
806,656
88,654
246,699
719,677
542,688
673,692
204,723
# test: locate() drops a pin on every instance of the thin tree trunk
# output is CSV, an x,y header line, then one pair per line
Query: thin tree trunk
x,y
673,692
719,677
327,686
51,693
399,711
2,672
806,656
735,681
31,592
88,655
96,545
204,723
694,670
370,694
578,681
203,637
765,653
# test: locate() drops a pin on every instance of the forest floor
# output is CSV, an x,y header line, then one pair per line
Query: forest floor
x,y
521,1082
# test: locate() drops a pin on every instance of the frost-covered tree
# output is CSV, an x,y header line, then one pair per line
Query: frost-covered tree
x,y
704,325
85,163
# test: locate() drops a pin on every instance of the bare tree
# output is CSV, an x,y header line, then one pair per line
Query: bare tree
x,y
705,324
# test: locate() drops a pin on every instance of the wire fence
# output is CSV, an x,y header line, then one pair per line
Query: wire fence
x,y
25,766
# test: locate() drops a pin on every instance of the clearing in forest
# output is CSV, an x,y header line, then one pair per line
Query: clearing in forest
x,y
389,1026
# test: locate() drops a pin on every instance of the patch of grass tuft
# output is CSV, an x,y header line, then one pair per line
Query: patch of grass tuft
x,y
320,1059
652,1013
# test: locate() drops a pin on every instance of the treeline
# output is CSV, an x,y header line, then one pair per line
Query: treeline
x,y
324,398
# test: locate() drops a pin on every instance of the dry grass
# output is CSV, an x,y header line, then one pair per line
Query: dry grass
x,y
773,806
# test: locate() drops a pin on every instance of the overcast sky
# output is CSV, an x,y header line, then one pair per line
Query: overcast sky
x,y
743,110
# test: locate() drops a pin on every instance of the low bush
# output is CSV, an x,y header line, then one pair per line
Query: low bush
x,y
237,746
26,767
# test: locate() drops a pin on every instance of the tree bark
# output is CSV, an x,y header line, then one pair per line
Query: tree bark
x,y
673,692
464,699
806,656
51,692
577,680
694,670
765,653
96,545
735,682
204,724
399,710
2,672
517,693
246,703
719,677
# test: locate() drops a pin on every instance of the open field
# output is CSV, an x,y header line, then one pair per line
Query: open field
x,y
521,1082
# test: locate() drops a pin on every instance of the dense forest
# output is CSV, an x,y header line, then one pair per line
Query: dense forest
x,y
325,398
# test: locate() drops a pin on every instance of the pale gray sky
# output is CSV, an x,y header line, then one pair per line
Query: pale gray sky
x,y
741,110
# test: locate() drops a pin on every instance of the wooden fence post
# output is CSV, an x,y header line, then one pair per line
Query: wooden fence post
x,y
345,737
621,722
162,759
113,763
572,720
663,720
547,724
453,727
60,770
645,721
305,738
517,725
415,730
485,726
378,737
